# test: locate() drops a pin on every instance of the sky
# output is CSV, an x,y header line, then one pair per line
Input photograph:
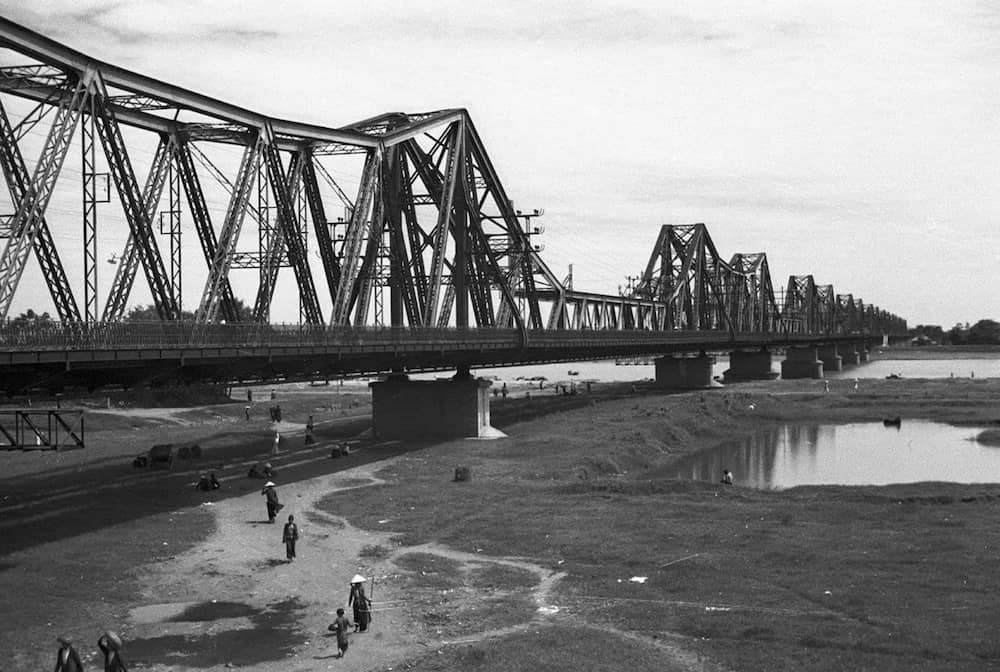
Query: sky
x,y
848,140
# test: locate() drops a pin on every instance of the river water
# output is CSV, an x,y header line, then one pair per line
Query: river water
x,y
849,454
608,371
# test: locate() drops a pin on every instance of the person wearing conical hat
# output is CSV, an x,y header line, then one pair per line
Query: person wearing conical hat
x,y
273,505
360,602
110,645
67,659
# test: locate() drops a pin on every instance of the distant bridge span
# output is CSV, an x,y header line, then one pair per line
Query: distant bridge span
x,y
430,266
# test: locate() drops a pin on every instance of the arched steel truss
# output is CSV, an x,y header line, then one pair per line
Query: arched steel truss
x,y
429,239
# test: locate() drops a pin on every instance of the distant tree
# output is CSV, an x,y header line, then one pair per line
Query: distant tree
x,y
31,317
933,332
148,313
984,331
958,335
243,311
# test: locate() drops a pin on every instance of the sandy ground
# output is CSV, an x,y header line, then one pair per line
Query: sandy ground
x,y
215,592
243,562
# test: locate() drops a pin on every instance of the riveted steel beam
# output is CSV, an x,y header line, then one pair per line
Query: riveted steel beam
x,y
38,191
222,256
16,173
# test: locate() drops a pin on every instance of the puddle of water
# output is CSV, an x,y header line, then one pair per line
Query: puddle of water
x,y
213,611
272,637
851,454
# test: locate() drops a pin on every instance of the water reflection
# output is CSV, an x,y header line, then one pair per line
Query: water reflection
x,y
852,454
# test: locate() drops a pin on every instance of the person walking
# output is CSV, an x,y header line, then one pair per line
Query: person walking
x,y
67,659
341,625
290,536
273,505
110,645
360,602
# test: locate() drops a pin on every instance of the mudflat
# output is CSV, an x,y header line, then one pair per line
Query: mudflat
x,y
529,564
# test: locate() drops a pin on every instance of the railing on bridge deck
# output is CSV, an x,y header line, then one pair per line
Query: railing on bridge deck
x,y
52,335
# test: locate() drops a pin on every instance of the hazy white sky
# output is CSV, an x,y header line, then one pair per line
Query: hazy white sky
x,y
851,140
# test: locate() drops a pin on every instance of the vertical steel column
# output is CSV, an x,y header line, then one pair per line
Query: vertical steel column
x,y
173,230
89,158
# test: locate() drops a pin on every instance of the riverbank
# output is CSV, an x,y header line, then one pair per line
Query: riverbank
x,y
536,560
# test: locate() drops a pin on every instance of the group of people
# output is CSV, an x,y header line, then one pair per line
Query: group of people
x,y
110,644
361,604
210,482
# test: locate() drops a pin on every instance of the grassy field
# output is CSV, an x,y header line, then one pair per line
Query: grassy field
x,y
834,578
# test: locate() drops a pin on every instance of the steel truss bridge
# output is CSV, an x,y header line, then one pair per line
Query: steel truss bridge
x,y
406,251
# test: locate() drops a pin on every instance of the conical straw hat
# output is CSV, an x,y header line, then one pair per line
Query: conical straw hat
x,y
358,579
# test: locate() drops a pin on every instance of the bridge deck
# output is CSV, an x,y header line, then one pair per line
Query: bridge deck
x,y
130,354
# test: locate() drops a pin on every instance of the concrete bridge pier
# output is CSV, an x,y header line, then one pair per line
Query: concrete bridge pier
x,y
684,372
832,361
801,362
863,353
431,409
849,355
746,365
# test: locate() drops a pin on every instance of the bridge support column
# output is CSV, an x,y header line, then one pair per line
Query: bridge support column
x,y
431,409
801,362
863,353
848,354
684,372
832,361
744,365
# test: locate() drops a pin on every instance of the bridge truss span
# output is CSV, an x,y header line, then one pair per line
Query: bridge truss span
x,y
398,223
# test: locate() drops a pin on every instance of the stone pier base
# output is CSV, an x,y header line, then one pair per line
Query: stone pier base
x,y
743,365
801,362
849,355
832,361
684,372
431,409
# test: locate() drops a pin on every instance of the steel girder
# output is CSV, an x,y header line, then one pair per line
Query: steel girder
x,y
686,274
470,263
289,236
27,220
218,293
328,255
17,177
140,211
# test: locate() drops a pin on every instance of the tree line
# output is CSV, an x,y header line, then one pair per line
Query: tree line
x,y
983,332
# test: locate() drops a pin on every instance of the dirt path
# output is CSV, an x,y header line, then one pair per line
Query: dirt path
x,y
219,587
243,563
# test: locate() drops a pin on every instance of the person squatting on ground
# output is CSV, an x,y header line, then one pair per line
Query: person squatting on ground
x,y
290,535
273,505
110,645
210,482
361,604
341,625
727,477
67,659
